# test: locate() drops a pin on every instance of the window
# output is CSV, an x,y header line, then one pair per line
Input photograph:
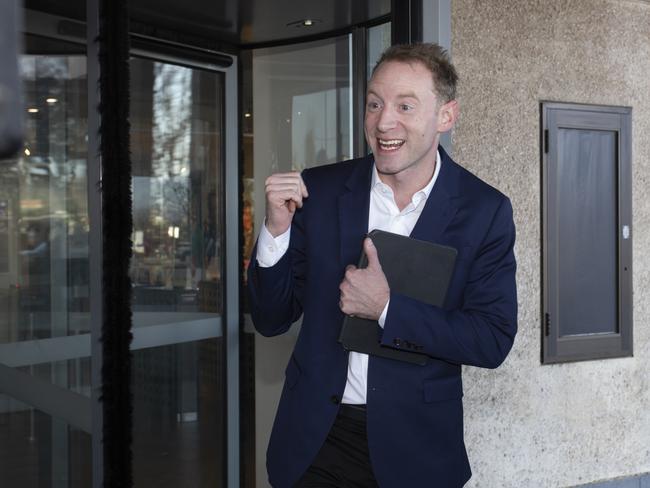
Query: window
x,y
177,143
587,241
45,367
303,106
378,40
297,115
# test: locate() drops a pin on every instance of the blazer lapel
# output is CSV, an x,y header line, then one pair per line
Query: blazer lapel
x,y
353,209
440,208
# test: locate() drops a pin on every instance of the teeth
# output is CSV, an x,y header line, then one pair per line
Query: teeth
x,y
391,144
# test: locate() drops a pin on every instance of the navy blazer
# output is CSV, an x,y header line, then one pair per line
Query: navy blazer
x,y
414,413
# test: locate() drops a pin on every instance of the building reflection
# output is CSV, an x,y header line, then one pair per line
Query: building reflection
x,y
178,362
176,271
44,274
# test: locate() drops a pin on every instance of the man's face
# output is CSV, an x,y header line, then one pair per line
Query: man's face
x,y
402,119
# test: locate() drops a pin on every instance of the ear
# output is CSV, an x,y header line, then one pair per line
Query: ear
x,y
447,115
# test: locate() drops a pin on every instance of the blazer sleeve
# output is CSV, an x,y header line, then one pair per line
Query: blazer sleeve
x,y
479,333
276,293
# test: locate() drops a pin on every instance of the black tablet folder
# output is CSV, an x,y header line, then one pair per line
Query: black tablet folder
x,y
417,269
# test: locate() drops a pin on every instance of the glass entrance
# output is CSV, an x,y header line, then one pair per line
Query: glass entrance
x,y
45,412
177,274
298,112
177,270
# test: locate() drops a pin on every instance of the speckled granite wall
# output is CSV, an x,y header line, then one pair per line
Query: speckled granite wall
x,y
529,425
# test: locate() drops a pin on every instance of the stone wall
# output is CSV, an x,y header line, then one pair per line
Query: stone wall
x,y
529,425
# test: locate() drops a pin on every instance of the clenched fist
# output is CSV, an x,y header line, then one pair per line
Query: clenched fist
x,y
284,194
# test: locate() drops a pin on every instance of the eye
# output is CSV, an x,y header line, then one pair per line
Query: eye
x,y
405,107
373,106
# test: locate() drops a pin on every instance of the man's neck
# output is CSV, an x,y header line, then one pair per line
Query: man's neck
x,y
406,183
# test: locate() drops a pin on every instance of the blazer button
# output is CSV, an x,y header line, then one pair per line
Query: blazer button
x,y
334,399
397,342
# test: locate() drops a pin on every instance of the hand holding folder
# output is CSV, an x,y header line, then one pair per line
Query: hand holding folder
x,y
417,269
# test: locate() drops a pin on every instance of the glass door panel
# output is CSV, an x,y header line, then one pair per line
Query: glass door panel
x,y
297,114
378,40
177,275
45,438
300,116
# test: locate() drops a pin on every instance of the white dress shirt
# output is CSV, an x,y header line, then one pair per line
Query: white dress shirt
x,y
383,215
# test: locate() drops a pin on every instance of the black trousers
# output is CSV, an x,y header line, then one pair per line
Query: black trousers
x,y
343,461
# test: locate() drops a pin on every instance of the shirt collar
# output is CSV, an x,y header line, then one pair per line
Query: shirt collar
x,y
419,195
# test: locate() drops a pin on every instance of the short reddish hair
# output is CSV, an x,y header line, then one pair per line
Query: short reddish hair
x,y
434,58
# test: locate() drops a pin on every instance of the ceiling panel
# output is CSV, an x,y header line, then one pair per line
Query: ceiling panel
x,y
235,22
255,21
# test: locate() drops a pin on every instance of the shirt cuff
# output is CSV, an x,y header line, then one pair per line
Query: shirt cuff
x,y
382,317
271,249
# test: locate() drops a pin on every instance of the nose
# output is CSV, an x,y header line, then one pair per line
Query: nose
x,y
386,119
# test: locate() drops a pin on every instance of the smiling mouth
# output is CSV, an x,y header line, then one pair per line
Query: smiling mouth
x,y
390,144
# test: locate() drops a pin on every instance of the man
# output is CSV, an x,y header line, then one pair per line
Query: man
x,y
346,419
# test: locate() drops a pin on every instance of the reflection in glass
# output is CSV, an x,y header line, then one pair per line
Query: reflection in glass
x,y
176,271
301,116
37,450
299,106
378,41
44,289
315,137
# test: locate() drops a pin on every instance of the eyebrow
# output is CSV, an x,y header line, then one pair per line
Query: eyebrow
x,y
401,95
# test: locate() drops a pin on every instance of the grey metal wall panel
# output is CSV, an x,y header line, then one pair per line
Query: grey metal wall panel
x,y
585,220
586,231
